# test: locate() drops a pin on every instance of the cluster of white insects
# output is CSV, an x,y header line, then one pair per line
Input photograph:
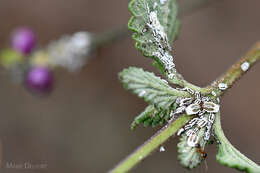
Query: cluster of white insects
x,y
161,40
205,110
199,105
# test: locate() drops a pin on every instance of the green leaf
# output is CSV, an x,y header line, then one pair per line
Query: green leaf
x,y
145,115
153,89
155,25
188,156
152,117
229,156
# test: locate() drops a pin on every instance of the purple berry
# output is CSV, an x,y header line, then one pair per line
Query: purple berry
x,y
39,79
23,40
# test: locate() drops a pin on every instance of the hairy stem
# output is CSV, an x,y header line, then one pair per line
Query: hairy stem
x,y
152,144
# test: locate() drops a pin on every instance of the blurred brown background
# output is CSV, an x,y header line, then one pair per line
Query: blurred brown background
x,y
83,127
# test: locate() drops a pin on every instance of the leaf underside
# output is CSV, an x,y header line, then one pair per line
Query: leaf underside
x,y
229,156
153,89
188,156
160,96
139,23
151,116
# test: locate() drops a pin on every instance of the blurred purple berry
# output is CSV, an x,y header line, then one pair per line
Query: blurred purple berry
x,y
23,40
39,79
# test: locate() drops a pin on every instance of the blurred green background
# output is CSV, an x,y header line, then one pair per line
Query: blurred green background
x,y
83,126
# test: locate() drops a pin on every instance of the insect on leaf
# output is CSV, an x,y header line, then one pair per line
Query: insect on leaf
x,y
188,156
156,26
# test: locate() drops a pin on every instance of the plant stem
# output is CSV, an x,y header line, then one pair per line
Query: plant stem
x,y
235,71
181,82
149,146
230,77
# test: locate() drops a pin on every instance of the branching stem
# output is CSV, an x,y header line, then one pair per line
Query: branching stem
x,y
230,77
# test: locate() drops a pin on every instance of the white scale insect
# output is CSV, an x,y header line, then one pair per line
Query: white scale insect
x,y
222,86
192,139
163,1
159,34
198,105
161,40
245,66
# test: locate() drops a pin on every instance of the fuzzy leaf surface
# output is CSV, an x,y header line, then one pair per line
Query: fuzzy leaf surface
x,y
151,116
153,89
188,156
139,22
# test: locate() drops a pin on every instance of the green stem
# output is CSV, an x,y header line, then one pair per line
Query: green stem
x,y
229,155
152,144
181,82
230,77
235,72
167,131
